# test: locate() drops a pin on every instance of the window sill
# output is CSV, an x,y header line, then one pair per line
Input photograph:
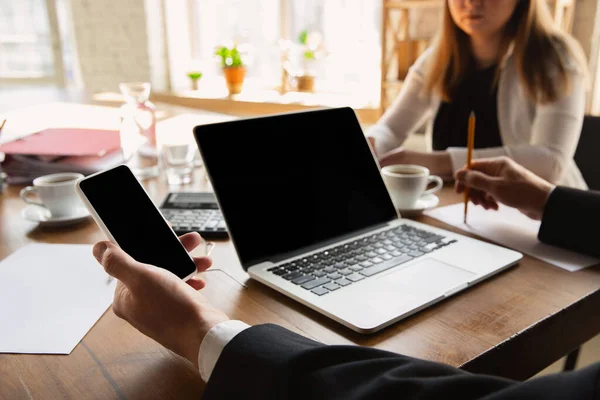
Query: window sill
x,y
256,100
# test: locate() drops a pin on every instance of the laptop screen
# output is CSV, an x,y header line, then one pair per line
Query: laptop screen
x,y
290,181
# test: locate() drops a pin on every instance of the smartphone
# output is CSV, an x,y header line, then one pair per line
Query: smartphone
x,y
124,212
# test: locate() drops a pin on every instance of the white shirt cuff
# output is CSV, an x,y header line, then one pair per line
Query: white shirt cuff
x,y
383,138
458,155
213,344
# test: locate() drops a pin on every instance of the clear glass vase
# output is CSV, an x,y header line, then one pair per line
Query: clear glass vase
x,y
138,130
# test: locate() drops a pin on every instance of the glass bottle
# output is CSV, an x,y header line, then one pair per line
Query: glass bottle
x,y
138,130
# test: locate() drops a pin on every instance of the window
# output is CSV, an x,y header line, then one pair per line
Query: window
x,y
350,29
30,42
351,32
254,23
25,39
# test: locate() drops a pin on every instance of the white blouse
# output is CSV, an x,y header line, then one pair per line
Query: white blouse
x,y
541,137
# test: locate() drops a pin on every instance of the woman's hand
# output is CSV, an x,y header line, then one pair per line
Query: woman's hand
x,y
158,303
502,180
439,162
371,141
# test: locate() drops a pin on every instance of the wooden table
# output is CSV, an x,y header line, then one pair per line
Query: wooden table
x,y
513,325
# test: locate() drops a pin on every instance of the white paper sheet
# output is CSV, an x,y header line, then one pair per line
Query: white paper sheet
x,y
50,297
512,229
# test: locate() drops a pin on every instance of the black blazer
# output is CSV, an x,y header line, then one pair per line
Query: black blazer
x,y
270,362
572,220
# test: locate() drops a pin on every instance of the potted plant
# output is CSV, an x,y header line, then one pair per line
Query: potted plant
x,y
194,77
311,44
233,67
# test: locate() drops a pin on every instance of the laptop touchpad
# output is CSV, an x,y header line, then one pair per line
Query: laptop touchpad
x,y
428,276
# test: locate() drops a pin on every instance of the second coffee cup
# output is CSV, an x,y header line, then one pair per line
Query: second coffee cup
x,y
407,183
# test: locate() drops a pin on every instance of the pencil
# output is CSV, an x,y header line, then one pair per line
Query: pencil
x,y
470,145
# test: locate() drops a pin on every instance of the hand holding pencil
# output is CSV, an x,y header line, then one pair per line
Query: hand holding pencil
x,y
470,145
500,180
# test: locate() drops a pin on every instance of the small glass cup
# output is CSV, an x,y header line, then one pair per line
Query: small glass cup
x,y
178,162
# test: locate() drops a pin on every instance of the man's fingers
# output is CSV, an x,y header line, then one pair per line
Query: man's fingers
x,y
202,263
491,201
493,206
196,283
493,167
482,199
191,240
490,166
117,263
478,180
459,187
476,196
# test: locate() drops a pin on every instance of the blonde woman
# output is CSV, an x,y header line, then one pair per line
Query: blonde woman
x,y
504,60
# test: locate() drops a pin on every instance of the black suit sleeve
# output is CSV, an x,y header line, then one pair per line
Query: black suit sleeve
x,y
270,362
571,220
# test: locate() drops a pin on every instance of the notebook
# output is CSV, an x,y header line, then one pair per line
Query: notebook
x,y
65,142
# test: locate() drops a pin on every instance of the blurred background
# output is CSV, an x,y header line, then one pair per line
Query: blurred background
x,y
295,53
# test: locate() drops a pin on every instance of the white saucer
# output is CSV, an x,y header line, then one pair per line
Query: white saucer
x,y
424,203
42,216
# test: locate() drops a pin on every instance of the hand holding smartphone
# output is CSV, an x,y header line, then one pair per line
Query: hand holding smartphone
x,y
128,217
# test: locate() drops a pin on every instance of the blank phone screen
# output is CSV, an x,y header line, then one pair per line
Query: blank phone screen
x,y
134,221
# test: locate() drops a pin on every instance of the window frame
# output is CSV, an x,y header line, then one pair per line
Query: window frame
x,y
58,75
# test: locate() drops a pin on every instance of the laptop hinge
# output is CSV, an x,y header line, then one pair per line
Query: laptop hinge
x,y
325,243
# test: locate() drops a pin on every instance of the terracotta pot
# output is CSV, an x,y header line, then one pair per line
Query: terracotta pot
x,y
235,79
306,83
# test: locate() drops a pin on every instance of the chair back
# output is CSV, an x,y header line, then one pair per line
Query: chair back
x,y
587,155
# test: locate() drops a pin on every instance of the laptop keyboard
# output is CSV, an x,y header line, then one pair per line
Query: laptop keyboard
x,y
341,266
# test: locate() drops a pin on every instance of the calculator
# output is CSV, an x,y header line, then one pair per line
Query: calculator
x,y
194,212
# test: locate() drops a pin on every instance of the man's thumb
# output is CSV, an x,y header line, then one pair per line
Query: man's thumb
x,y
116,262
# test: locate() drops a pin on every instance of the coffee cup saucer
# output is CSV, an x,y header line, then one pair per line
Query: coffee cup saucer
x,y
424,203
43,217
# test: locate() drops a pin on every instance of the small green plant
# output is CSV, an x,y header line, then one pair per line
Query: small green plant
x,y
302,37
230,57
194,75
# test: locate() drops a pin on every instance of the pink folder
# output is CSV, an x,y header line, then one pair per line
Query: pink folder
x,y
65,142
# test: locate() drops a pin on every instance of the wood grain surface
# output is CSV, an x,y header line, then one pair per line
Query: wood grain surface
x,y
513,325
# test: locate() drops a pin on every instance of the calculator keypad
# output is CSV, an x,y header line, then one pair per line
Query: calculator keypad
x,y
195,220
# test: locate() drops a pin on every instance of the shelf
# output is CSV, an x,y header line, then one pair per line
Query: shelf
x,y
256,92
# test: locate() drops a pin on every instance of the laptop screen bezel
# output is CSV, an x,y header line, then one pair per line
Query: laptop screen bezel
x,y
334,114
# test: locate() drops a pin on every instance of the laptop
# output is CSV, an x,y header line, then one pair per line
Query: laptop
x,y
309,216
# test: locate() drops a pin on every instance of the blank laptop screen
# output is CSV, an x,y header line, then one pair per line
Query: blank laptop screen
x,y
291,181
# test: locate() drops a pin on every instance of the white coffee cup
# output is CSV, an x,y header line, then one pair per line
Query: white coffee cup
x,y
407,183
56,192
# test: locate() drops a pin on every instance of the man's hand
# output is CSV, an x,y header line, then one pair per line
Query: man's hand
x,y
502,180
158,303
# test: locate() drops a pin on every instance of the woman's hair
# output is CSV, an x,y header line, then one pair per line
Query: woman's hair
x,y
544,55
